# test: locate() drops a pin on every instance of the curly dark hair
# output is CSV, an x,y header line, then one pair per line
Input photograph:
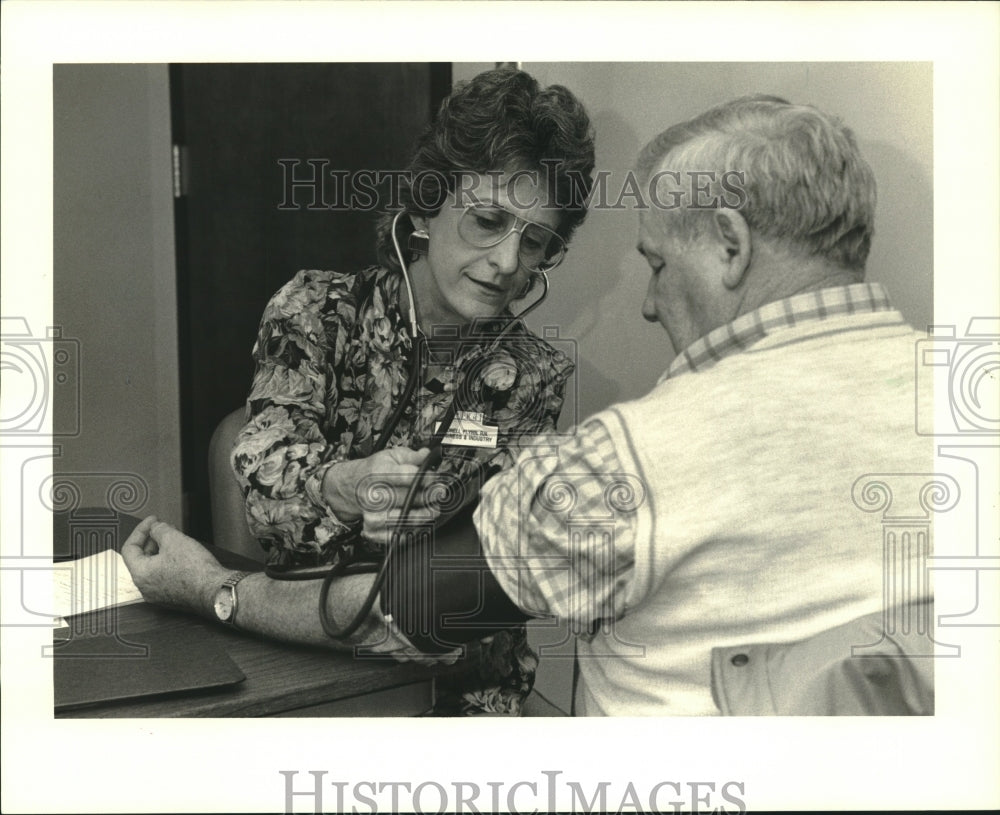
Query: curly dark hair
x,y
501,120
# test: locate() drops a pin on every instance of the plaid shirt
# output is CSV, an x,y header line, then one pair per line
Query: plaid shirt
x,y
741,333
558,528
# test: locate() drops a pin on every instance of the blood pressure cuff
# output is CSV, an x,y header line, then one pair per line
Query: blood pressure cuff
x,y
439,589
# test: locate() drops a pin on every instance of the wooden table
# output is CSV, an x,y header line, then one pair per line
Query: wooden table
x,y
281,679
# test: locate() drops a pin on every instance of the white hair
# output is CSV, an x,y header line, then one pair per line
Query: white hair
x,y
806,184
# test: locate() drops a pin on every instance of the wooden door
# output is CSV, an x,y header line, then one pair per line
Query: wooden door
x,y
242,134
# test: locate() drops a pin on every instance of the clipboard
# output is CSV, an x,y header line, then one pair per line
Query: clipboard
x,y
95,670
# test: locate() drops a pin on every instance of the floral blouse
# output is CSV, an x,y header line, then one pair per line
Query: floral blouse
x,y
332,356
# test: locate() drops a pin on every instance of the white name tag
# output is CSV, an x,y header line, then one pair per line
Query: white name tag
x,y
468,429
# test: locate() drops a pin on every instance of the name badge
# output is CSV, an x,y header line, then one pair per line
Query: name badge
x,y
469,429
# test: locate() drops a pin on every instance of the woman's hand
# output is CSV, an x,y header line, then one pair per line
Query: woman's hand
x,y
374,489
172,569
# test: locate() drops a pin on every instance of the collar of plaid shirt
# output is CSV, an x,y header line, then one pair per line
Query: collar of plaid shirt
x,y
744,331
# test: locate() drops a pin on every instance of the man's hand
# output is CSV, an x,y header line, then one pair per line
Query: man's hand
x,y
172,569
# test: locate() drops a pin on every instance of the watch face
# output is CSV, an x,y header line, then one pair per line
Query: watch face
x,y
224,603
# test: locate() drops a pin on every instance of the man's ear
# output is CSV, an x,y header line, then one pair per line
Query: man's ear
x,y
733,235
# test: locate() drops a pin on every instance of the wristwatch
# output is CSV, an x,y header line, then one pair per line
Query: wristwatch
x,y
225,598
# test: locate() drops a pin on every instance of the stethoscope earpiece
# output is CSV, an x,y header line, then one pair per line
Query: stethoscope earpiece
x,y
414,330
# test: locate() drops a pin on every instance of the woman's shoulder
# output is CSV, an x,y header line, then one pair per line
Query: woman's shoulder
x,y
319,289
545,353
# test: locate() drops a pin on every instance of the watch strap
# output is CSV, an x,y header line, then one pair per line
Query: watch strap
x,y
230,583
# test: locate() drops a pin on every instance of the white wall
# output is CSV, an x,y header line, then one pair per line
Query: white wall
x,y
115,278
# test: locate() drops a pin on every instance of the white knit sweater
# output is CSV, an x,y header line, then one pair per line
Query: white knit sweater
x,y
751,534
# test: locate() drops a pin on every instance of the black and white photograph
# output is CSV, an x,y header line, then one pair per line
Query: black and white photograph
x,y
636,398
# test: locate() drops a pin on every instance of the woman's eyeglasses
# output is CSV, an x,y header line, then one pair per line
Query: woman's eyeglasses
x,y
539,249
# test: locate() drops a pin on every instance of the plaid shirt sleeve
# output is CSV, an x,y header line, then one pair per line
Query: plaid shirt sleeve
x,y
558,528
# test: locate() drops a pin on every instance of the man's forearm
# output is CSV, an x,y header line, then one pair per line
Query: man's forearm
x,y
289,610
172,569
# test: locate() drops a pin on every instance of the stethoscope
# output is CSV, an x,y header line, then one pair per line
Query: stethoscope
x,y
433,459
418,341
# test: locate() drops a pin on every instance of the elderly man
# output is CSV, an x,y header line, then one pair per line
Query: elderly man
x,y
792,378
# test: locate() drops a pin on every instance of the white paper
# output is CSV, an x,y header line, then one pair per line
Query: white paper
x,y
92,583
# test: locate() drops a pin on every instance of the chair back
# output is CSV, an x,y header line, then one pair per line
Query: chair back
x,y
229,522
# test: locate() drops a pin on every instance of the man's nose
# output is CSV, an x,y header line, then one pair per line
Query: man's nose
x,y
504,256
649,304
649,310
